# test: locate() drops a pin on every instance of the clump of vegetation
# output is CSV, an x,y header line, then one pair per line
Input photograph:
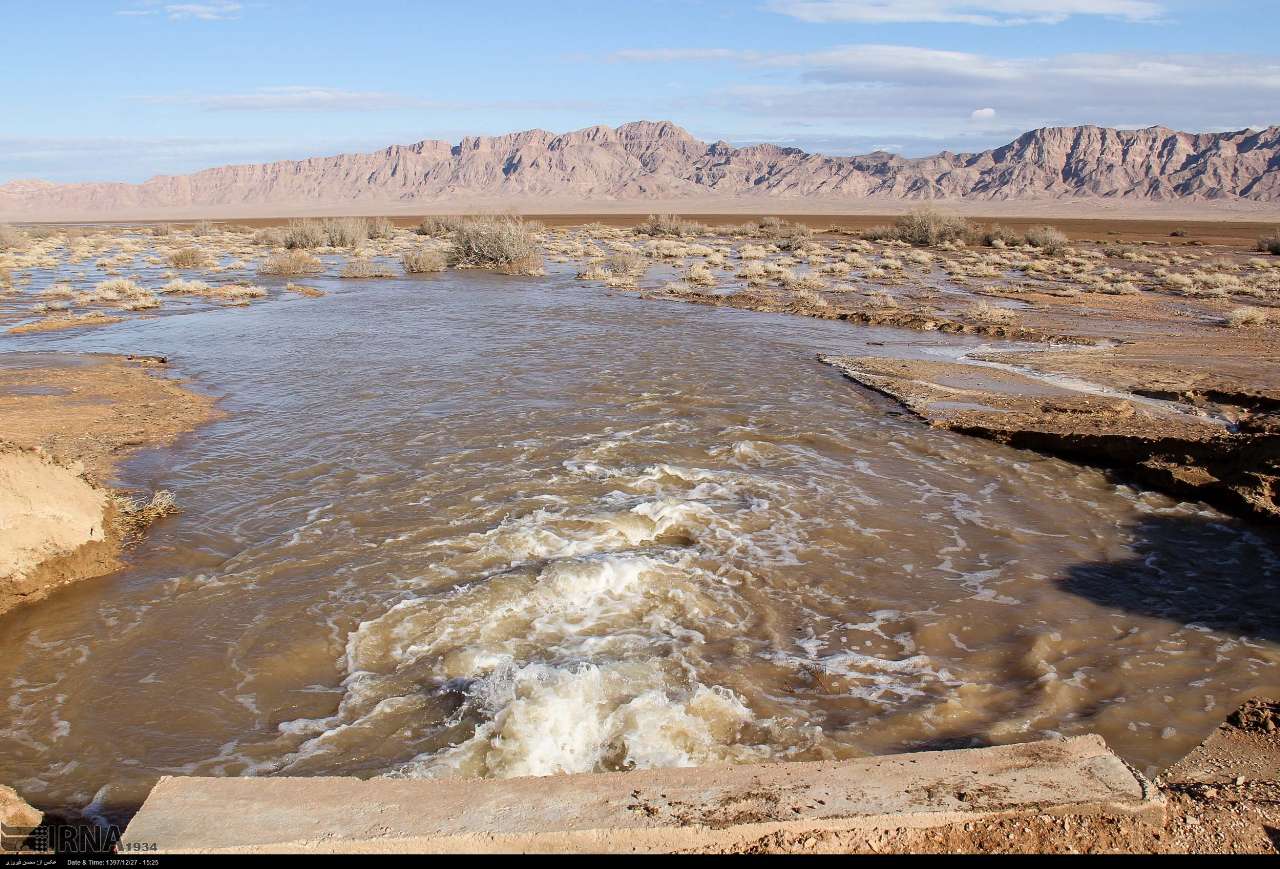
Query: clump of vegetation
x,y
11,238
700,275
1247,316
423,261
786,234
304,290
437,226
628,263
365,268
134,516
1267,244
927,227
670,226
505,244
985,312
291,262
190,258
1050,240
335,232
997,236
271,236
203,227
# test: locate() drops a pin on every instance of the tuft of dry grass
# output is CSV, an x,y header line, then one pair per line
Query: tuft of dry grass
x,y
365,268
505,244
292,262
1267,244
190,258
985,312
670,226
12,238
423,261
437,226
1247,316
927,227
134,516
304,290
1050,240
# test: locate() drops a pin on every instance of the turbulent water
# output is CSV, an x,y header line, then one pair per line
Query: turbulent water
x,y
499,526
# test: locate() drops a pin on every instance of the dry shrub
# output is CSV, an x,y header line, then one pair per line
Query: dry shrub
x,y
627,262
304,290
271,236
437,226
1267,244
786,234
380,227
345,231
1247,316
984,312
292,262
302,234
203,227
670,225
879,232
134,516
504,244
1048,239
365,268
423,261
190,258
927,227
996,235
11,238
700,276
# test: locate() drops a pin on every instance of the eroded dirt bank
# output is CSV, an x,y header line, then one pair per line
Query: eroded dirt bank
x,y
1219,445
65,421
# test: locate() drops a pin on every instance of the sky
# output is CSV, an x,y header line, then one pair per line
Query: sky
x,y
121,90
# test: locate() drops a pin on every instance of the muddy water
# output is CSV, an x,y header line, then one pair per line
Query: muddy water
x,y
486,526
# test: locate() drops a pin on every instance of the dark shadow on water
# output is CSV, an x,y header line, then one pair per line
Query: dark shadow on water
x,y
1219,573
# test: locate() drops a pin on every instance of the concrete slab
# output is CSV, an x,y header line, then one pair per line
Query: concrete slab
x,y
641,811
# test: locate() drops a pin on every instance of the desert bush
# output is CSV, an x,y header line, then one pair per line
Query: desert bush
x,y
504,244
292,262
879,232
203,227
423,261
985,312
926,227
436,226
1048,239
1247,316
161,230
380,227
996,235
302,234
11,238
700,276
786,234
346,231
627,262
360,267
1267,244
190,258
670,225
271,236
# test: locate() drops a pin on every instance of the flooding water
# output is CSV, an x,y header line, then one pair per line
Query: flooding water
x,y
498,526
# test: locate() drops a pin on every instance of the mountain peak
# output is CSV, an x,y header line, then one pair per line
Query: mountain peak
x,y
645,160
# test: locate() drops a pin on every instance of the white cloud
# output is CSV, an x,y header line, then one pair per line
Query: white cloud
x,y
989,13
982,114
214,11
923,87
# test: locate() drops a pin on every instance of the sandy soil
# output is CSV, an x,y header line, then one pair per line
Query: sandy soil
x,y
65,421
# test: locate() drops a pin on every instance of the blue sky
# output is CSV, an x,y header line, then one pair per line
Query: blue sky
x,y
125,89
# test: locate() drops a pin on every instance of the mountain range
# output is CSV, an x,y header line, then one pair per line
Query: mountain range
x,y
659,161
